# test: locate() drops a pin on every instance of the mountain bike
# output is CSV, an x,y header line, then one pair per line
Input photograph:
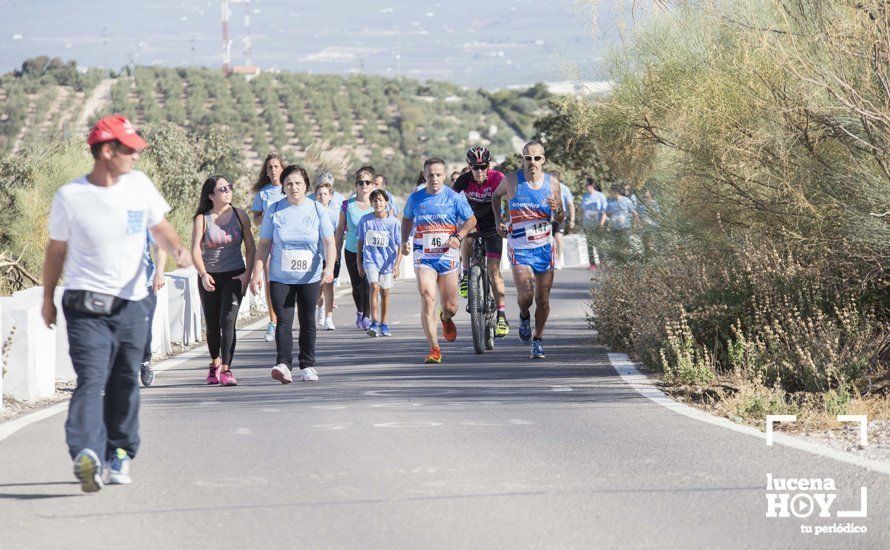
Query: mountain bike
x,y
480,298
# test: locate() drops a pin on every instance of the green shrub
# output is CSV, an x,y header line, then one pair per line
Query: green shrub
x,y
771,240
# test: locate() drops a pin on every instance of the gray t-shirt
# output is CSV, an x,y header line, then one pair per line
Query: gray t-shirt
x,y
221,245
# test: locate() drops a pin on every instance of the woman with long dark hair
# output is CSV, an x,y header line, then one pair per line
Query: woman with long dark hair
x,y
267,189
350,213
296,239
218,232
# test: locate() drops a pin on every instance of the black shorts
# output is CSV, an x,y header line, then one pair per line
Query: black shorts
x,y
559,228
494,246
324,264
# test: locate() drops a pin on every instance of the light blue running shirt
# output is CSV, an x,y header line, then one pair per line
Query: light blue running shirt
x,y
567,197
267,196
296,233
620,212
381,239
592,207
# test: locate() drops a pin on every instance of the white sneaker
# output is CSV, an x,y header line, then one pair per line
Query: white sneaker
x,y
329,323
309,375
281,372
319,316
270,332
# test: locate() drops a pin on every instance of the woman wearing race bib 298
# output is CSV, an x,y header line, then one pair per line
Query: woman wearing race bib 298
x,y
296,238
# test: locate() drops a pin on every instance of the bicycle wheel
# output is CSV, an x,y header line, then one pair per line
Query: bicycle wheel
x,y
491,318
475,300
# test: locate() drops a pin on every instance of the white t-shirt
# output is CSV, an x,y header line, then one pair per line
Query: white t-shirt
x,y
105,230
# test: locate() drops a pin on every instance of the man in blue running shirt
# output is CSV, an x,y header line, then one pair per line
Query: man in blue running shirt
x,y
535,203
440,219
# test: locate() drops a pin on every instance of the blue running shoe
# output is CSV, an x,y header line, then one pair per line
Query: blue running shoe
x,y
88,470
374,330
119,468
537,349
384,330
525,330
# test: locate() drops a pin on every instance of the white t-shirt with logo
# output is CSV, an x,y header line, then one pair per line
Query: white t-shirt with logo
x,y
105,230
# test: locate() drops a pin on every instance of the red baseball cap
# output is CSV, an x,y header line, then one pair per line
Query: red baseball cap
x,y
116,127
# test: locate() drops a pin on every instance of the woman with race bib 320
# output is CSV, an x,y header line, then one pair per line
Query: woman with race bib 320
x,y
296,239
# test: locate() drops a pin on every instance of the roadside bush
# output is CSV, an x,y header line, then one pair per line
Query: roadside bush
x,y
768,123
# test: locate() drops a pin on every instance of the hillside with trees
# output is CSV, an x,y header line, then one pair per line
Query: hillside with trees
x,y
390,123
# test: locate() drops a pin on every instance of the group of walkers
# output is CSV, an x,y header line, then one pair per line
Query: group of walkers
x,y
106,226
619,213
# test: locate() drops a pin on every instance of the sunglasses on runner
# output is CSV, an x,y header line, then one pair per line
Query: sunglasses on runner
x,y
223,189
364,182
531,158
479,167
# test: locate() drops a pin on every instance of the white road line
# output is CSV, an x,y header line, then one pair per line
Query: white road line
x,y
644,386
561,388
16,424
416,424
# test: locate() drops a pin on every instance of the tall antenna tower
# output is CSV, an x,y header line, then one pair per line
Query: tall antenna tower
x,y
227,43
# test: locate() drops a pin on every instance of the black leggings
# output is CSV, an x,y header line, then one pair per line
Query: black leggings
x,y
284,298
220,313
361,290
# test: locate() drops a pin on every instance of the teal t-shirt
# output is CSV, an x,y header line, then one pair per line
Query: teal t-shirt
x,y
354,213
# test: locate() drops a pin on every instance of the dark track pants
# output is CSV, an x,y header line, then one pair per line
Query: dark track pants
x,y
361,290
106,353
285,298
221,313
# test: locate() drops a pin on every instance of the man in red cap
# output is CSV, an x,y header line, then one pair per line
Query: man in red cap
x,y
97,231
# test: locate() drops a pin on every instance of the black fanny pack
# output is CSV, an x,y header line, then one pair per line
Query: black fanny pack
x,y
87,301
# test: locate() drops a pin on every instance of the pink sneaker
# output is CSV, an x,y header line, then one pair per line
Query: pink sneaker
x,y
227,378
213,374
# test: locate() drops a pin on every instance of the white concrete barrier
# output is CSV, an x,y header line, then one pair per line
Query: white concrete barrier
x,y
160,324
258,301
406,268
64,370
184,306
574,251
245,310
30,361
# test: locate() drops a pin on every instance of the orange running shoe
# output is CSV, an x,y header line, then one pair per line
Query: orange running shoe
x,y
449,331
435,356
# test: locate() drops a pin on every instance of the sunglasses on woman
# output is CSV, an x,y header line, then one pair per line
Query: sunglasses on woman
x,y
223,189
364,182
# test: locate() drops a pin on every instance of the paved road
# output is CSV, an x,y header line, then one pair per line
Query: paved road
x,y
384,452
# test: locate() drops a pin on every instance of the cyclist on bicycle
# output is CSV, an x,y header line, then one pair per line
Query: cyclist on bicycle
x,y
478,186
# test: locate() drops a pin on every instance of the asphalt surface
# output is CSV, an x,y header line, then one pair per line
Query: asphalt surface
x,y
480,451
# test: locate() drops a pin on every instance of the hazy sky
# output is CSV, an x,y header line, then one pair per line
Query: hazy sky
x,y
487,43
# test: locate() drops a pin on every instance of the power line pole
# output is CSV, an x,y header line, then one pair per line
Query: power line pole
x,y
226,14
